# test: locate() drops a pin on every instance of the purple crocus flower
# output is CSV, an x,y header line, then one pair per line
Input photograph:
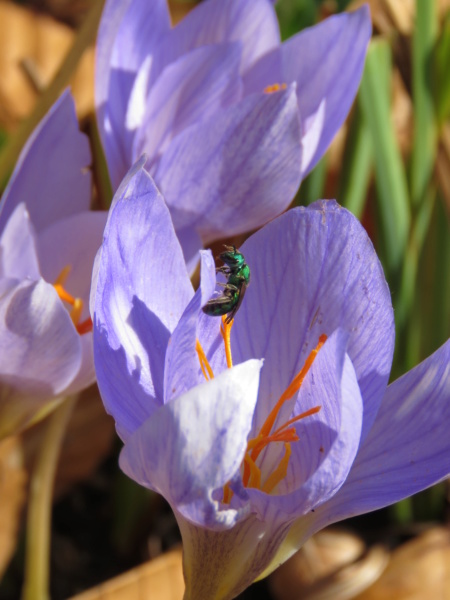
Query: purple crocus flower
x,y
48,240
262,434
231,119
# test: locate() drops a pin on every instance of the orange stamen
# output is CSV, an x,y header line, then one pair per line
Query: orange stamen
x,y
204,364
276,87
284,433
225,330
279,473
76,303
62,277
227,494
292,388
254,480
85,326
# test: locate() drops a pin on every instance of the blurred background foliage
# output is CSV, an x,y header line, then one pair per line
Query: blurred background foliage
x,y
389,165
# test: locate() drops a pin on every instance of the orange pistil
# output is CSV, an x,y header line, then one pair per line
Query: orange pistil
x,y
285,433
76,303
225,330
276,87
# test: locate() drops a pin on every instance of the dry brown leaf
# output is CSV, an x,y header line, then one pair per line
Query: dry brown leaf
x,y
418,569
159,579
87,442
390,16
178,10
32,47
333,565
12,496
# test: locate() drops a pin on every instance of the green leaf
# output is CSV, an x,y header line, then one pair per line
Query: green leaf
x,y
357,166
442,69
425,130
374,99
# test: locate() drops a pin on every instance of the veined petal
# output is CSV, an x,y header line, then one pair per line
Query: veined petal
x,y
408,447
39,347
142,289
181,370
232,174
317,271
51,176
194,444
328,441
191,244
251,22
327,62
59,246
406,451
18,248
190,90
129,31
234,557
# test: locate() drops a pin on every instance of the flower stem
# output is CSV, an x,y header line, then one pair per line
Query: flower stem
x,y
37,552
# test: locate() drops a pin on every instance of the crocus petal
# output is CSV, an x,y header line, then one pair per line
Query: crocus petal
x,y
408,447
39,346
195,443
191,244
59,246
327,62
182,364
51,175
251,22
317,271
18,248
190,90
241,169
129,31
406,451
135,309
234,557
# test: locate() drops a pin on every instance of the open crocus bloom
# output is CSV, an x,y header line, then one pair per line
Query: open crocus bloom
x,y
260,432
48,241
230,118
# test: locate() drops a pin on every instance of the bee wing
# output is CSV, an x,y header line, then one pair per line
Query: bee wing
x,y
232,312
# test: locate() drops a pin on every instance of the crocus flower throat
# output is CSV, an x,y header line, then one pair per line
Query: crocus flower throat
x,y
76,303
251,473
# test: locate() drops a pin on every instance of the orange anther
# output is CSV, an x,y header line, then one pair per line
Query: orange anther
x,y
276,87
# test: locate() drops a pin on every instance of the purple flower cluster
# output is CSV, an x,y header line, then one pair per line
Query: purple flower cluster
x,y
260,431
231,120
48,241
260,436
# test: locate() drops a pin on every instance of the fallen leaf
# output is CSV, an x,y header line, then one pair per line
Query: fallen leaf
x,y
159,579
418,569
332,565
32,48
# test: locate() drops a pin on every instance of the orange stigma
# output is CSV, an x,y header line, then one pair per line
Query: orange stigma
x,y
276,87
285,433
76,303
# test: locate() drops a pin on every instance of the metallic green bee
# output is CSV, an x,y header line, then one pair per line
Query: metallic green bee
x,y
237,272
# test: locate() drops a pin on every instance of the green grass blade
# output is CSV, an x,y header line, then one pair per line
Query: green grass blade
x,y
442,66
425,130
374,99
357,166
